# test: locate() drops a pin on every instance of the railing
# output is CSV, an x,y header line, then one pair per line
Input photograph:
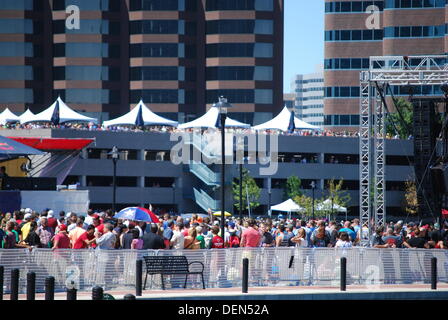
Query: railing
x,y
205,174
205,201
115,269
197,140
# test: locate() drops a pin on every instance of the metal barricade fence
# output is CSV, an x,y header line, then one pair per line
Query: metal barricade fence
x,y
283,266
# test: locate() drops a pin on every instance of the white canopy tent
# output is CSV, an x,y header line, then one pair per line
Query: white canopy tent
x,y
7,117
327,206
282,121
148,118
288,206
59,112
26,116
210,119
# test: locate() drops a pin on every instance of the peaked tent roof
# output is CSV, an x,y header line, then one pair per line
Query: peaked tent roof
x,y
326,205
60,112
26,116
7,116
210,119
282,121
10,149
132,118
287,206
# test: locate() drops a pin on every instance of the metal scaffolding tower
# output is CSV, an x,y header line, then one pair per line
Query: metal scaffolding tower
x,y
394,71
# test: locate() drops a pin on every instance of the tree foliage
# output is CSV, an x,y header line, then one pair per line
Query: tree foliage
x,y
252,189
306,203
404,128
410,200
292,188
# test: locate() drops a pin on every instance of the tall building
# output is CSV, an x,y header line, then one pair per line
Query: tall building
x,y
178,56
353,33
309,89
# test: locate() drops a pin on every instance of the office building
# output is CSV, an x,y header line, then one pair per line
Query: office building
x,y
179,56
309,89
353,33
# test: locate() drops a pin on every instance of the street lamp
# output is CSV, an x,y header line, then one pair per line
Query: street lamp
x,y
313,186
173,186
114,155
241,190
223,105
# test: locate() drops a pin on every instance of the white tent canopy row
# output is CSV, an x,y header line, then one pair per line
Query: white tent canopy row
x,y
7,117
148,118
210,119
282,121
328,206
288,206
60,112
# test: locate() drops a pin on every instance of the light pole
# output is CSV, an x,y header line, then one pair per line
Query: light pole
x,y
114,155
223,105
332,201
173,186
313,186
241,190
269,198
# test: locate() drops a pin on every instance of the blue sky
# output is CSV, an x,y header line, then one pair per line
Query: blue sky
x,y
304,38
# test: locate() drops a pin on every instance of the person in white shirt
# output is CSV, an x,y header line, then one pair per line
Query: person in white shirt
x,y
300,238
343,241
178,239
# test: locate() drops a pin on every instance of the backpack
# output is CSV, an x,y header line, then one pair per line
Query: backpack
x,y
234,242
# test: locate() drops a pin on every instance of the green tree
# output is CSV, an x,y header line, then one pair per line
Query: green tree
x,y
410,201
292,188
340,197
252,189
404,128
306,203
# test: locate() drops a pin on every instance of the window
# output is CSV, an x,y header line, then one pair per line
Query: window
x,y
257,50
155,5
157,96
232,95
87,26
263,96
412,4
86,73
156,73
17,26
110,5
353,35
10,95
240,26
86,50
351,6
98,96
414,31
155,50
17,73
17,5
342,92
259,5
156,27
16,49
240,73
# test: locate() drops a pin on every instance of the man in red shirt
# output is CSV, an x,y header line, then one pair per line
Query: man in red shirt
x,y
52,222
251,237
217,241
86,239
61,240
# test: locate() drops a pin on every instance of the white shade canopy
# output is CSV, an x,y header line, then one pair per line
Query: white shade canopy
x,y
326,206
149,118
288,206
7,116
281,122
210,119
63,114
26,116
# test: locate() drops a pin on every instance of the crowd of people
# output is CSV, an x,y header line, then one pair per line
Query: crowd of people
x,y
163,129
29,229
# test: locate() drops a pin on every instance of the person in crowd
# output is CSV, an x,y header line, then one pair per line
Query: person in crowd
x,y
52,221
391,239
76,232
217,242
349,230
190,241
71,219
152,240
267,239
127,236
418,241
178,239
89,218
200,237
168,232
251,237
86,239
343,241
300,238
320,237
25,225
61,239
45,233
106,240
137,242
11,239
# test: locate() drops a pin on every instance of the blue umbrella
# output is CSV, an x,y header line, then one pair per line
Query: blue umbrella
x,y
133,213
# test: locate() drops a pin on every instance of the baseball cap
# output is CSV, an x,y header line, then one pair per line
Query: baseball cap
x,y
27,216
62,227
95,216
28,210
50,213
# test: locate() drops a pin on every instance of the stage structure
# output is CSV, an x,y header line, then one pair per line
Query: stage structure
x,y
385,71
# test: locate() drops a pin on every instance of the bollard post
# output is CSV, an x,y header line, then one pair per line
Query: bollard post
x,y
2,273
30,286
49,288
129,297
97,293
138,277
15,273
433,273
71,294
343,273
245,288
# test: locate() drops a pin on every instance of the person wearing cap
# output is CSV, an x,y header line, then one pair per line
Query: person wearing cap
x,y
106,241
25,227
52,222
89,218
86,239
45,233
76,232
61,240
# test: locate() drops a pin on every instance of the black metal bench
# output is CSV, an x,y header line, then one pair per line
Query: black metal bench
x,y
170,265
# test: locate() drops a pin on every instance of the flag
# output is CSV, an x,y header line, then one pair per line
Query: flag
x,y
55,116
292,125
139,120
